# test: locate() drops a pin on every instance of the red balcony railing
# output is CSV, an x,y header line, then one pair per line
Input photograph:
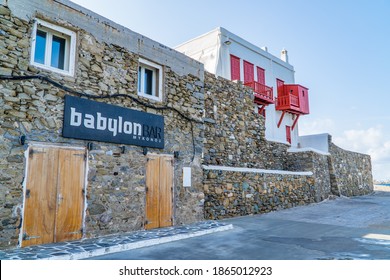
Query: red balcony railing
x,y
263,94
287,102
293,98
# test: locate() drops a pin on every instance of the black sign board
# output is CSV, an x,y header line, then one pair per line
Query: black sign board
x,y
97,121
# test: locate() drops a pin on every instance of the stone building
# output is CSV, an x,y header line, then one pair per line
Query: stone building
x,y
75,163
104,131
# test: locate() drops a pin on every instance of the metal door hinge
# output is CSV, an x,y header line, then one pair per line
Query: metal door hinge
x,y
76,232
27,237
28,193
32,151
84,155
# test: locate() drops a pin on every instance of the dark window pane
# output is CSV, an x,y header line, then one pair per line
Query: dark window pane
x,y
58,52
139,78
148,82
40,47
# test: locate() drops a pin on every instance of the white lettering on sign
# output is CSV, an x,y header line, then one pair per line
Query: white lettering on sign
x,y
115,125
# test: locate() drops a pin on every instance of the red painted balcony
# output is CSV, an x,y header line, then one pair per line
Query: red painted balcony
x,y
263,95
294,99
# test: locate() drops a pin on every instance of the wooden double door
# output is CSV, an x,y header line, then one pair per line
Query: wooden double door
x,y
54,195
159,191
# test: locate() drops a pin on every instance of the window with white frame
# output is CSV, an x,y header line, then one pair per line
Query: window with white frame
x,y
149,80
53,47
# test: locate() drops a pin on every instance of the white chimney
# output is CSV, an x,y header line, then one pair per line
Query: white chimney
x,y
284,55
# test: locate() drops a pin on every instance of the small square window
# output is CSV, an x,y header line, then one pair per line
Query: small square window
x,y
149,80
53,48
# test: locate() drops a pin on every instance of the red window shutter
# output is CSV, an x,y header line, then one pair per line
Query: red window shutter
x,y
248,72
288,133
260,75
280,86
234,67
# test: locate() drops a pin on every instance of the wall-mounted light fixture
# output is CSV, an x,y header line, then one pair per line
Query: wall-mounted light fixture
x,y
123,149
90,146
227,42
22,139
176,154
145,151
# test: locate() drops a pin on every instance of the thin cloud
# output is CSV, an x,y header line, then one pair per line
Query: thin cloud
x,y
316,126
369,141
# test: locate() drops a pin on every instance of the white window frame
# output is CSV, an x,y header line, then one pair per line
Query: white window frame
x,y
157,77
70,46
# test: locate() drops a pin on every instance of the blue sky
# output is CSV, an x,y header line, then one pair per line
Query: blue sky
x,y
340,50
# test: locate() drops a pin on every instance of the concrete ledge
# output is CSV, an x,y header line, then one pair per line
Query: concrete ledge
x,y
256,170
308,149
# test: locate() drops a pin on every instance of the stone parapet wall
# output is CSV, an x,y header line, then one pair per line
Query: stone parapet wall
x,y
350,172
238,193
316,163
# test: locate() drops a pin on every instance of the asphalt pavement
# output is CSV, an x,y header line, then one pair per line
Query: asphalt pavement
x,y
342,228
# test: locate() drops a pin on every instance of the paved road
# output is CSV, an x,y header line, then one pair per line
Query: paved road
x,y
344,228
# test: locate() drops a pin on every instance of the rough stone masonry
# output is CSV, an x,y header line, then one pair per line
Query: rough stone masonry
x,y
209,121
234,137
115,180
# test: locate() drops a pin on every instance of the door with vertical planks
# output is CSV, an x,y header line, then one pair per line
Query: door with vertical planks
x,y
70,196
54,195
234,67
40,196
248,72
159,195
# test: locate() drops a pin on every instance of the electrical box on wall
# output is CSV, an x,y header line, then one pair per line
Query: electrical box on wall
x,y
186,176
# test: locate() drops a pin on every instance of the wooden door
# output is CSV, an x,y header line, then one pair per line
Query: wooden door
x,y
54,198
248,72
234,67
40,196
159,195
280,87
260,75
288,134
152,192
70,196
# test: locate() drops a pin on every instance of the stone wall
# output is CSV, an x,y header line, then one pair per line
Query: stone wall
x,y
237,193
234,137
116,181
234,132
350,172
316,163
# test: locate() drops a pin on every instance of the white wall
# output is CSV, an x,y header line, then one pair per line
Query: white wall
x,y
203,49
316,141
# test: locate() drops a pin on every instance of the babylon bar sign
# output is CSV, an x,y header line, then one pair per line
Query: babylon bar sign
x,y
97,121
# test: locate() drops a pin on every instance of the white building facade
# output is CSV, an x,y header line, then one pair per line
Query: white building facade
x,y
229,56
